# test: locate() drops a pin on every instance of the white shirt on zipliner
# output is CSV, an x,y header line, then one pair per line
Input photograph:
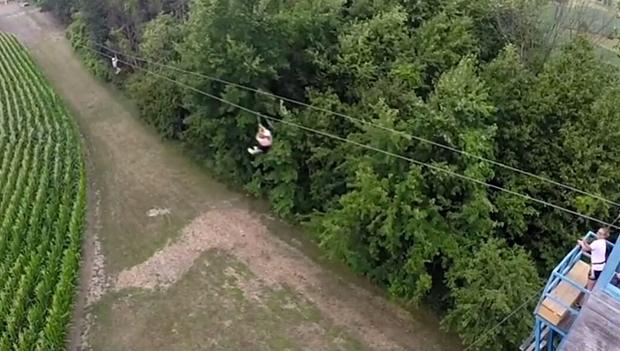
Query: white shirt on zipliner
x,y
599,249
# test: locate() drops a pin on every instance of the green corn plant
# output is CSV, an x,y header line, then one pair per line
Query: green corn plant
x,y
42,205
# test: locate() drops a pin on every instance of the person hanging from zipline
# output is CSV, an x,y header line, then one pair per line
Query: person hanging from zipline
x,y
115,64
264,140
264,136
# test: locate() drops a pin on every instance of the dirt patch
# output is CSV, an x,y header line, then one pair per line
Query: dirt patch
x,y
208,309
607,43
273,262
311,335
156,212
230,230
19,21
97,281
252,288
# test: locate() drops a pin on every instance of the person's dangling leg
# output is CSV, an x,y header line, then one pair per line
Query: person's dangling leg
x,y
254,150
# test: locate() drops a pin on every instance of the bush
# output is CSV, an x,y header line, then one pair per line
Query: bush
x,y
486,288
81,42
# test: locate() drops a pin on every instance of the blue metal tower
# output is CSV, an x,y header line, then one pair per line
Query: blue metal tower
x,y
568,316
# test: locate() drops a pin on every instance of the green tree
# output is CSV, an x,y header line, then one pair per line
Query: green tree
x,y
78,35
560,99
94,15
509,83
368,49
461,116
160,101
487,285
226,39
63,9
441,43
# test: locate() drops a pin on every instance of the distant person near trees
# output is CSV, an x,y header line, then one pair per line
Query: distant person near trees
x,y
115,64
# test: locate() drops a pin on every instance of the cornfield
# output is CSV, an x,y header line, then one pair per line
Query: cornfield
x,y
42,204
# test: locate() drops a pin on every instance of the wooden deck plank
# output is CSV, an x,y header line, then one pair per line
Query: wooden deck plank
x,y
565,292
598,326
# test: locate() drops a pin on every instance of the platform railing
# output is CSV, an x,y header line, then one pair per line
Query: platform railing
x,y
561,270
545,332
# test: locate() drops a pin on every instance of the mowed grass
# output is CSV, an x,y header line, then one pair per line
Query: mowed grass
x,y
601,23
607,55
42,203
596,19
218,305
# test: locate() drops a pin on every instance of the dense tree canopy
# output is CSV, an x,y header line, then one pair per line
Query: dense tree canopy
x,y
473,75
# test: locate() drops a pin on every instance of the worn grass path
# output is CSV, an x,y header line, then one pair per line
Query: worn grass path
x,y
175,261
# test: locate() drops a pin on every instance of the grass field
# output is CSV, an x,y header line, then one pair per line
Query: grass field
x,y
601,24
590,14
42,203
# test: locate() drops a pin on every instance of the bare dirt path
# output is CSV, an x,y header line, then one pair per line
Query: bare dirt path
x,y
175,261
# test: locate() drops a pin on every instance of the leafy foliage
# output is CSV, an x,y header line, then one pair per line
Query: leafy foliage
x,y
486,287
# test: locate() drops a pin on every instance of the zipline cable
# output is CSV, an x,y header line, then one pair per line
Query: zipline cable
x,y
486,333
368,147
374,125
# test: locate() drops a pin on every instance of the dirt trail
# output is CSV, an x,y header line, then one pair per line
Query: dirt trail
x,y
175,261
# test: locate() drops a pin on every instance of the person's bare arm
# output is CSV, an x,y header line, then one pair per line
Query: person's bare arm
x,y
584,245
